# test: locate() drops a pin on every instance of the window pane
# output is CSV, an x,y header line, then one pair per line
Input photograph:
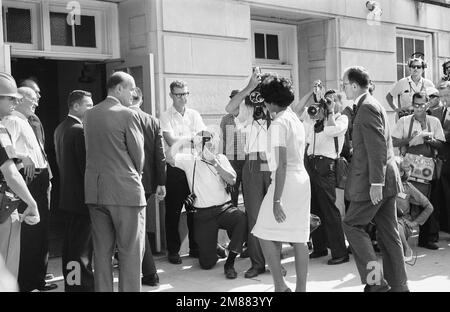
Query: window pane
x,y
400,72
409,49
260,49
18,25
399,50
85,33
272,47
60,30
419,46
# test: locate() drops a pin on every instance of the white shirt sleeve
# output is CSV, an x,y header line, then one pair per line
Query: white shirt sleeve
x,y
164,121
438,132
277,134
199,124
397,88
225,163
184,161
398,129
245,116
339,129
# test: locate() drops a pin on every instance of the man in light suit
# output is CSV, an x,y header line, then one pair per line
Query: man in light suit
x,y
71,159
113,186
372,185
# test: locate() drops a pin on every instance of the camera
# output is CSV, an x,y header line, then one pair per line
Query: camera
x,y
322,106
189,203
256,100
405,112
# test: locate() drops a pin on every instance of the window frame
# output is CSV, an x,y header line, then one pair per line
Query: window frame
x,y
427,46
34,20
268,28
98,18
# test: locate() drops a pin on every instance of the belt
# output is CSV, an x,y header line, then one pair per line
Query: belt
x,y
419,180
256,156
320,157
39,170
226,205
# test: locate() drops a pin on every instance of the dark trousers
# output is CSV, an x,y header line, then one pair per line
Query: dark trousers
x,y
34,238
237,166
322,177
177,189
384,214
208,221
429,231
442,198
77,253
256,181
148,263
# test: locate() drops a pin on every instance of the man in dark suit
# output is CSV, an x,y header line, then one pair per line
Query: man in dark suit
x,y
113,186
153,178
372,185
71,160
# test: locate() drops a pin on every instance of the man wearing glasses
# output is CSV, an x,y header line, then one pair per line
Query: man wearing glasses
x,y
34,239
421,134
404,89
178,122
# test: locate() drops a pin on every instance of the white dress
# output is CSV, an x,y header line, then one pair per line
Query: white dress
x,y
287,130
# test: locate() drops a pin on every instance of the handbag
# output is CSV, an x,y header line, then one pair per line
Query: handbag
x,y
314,222
8,202
341,168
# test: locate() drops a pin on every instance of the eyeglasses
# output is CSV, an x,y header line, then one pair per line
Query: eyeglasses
x,y
419,105
416,66
180,95
434,96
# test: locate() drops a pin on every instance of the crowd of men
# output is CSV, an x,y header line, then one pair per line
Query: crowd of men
x,y
113,156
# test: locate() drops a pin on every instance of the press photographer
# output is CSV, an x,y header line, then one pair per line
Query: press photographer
x,y
253,120
419,136
209,201
325,139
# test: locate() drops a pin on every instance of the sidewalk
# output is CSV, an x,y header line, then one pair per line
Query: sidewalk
x,y
431,273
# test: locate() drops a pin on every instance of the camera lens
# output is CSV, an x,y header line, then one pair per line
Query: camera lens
x,y
313,110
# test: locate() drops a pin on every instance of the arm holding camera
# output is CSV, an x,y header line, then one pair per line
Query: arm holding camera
x,y
225,171
317,90
236,100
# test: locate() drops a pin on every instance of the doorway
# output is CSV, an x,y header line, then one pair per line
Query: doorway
x,y
56,79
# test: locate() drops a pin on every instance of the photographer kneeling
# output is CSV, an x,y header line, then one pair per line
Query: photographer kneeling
x,y
209,175
325,139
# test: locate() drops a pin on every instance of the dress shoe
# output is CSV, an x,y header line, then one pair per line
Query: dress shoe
x,y
254,272
429,245
49,276
221,251
318,254
230,272
375,246
174,258
340,260
193,253
48,287
244,253
377,288
150,280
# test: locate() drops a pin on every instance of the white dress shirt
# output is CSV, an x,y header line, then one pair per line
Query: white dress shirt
x,y
406,88
24,139
186,125
322,143
255,131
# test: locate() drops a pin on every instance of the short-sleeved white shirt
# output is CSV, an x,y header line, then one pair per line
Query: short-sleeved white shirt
x,y
406,88
208,186
255,131
186,125
401,129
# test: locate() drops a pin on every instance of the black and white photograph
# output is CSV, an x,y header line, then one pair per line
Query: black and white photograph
x,y
222,151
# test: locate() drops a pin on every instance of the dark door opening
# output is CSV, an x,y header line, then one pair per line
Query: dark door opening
x,y
56,79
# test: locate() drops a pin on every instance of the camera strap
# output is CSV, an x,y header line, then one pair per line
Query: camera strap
x,y
193,175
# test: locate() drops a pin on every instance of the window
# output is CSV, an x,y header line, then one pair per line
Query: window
x,y
408,43
64,34
17,25
266,46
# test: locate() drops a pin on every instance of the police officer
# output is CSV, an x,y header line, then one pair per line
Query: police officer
x,y
10,229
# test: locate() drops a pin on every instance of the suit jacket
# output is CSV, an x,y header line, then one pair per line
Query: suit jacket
x,y
114,155
373,153
71,160
155,159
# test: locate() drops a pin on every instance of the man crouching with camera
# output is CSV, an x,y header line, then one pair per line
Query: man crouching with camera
x,y
325,138
209,176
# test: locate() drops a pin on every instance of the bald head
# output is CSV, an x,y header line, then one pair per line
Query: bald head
x,y
29,102
121,86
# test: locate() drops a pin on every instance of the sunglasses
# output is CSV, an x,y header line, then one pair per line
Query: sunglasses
x,y
180,95
416,66
417,105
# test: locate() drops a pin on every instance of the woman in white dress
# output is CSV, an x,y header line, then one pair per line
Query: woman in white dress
x,y
285,211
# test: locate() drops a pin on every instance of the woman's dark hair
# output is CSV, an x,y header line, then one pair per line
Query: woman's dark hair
x,y
277,90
